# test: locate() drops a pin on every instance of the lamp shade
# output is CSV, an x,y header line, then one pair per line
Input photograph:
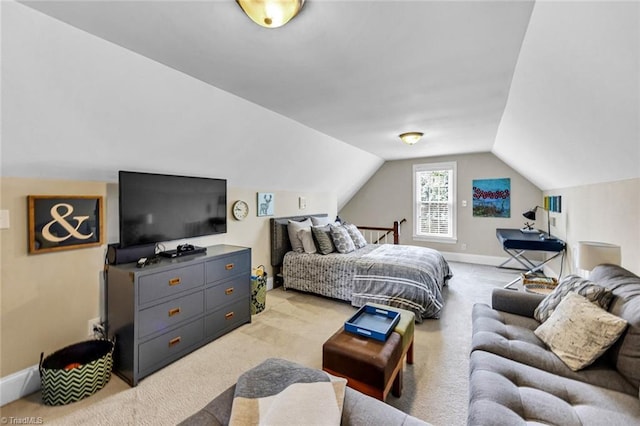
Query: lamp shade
x,y
271,13
592,254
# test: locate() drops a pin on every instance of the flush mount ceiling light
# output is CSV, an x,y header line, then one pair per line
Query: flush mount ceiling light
x,y
411,137
271,13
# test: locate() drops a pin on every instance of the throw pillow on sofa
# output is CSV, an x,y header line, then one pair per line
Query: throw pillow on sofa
x,y
573,283
579,332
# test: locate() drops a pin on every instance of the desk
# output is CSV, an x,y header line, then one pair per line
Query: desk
x,y
516,243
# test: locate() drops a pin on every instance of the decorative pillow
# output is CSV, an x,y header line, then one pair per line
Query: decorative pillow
x,y
573,283
306,237
341,239
320,221
358,239
578,331
292,228
322,235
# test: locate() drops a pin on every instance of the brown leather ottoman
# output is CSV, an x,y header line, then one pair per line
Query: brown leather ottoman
x,y
370,366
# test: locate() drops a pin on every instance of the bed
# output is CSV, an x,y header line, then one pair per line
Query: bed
x,y
408,277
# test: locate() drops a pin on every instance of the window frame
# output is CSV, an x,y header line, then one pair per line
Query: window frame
x,y
425,167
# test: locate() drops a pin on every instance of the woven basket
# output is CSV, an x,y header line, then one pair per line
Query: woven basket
x,y
535,279
75,372
258,293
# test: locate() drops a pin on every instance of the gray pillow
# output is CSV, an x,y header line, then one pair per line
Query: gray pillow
x,y
292,228
306,237
320,221
341,239
573,283
358,239
322,235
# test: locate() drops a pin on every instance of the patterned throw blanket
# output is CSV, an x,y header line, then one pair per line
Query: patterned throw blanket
x,y
280,392
404,276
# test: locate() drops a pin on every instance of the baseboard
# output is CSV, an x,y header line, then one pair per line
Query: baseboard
x,y
474,258
19,385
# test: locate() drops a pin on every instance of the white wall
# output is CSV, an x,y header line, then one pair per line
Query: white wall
x,y
573,113
78,107
606,212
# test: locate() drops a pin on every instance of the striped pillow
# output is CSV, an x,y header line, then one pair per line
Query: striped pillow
x,y
595,293
322,235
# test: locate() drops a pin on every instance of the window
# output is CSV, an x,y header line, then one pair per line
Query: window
x,y
434,207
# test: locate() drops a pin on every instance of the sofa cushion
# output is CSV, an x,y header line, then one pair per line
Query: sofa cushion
x,y
625,286
572,283
579,332
512,336
505,392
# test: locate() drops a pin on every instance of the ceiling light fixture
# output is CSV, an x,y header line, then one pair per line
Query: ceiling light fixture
x,y
411,138
271,13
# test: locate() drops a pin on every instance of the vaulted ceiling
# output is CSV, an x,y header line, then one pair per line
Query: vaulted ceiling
x,y
549,87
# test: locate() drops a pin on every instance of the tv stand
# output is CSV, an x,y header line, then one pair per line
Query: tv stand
x,y
160,313
175,253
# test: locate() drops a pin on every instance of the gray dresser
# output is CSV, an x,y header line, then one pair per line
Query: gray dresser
x,y
163,311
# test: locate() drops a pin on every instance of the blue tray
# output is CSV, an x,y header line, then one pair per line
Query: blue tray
x,y
373,322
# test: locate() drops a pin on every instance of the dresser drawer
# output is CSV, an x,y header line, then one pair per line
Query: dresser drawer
x,y
228,291
162,284
228,317
228,266
169,346
170,313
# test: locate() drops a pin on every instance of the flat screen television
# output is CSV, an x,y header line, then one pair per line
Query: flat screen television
x,y
157,207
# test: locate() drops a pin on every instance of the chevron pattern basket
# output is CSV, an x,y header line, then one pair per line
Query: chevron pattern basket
x,y
75,372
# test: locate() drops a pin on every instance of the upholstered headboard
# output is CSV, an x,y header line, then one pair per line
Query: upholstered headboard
x,y
280,244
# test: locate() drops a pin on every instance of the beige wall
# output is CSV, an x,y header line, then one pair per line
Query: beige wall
x,y
47,299
388,197
605,212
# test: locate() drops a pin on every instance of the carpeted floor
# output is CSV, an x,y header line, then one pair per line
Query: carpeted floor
x,y
293,326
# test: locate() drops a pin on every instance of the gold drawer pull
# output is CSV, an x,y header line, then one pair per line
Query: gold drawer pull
x,y
228,315
174,281
229,266
174,341
174,311
228,291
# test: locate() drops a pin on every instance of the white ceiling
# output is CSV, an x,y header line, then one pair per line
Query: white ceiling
x,y
359,71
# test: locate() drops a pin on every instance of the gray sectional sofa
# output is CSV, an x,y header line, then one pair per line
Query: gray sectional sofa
x,y
358,410
515,379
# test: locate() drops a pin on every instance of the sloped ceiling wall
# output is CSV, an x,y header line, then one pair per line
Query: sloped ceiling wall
x,y
573,114
76,106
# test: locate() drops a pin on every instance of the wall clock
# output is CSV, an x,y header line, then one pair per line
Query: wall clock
x,y
240,210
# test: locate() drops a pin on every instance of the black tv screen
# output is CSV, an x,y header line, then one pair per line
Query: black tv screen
x,y
156,207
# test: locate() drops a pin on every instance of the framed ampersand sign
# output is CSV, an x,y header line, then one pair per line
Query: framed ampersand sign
x,y
64,222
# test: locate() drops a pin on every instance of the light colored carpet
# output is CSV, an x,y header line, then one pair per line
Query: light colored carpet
x,y
293,326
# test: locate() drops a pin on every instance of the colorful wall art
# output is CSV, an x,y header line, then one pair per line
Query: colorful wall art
x,y
492,197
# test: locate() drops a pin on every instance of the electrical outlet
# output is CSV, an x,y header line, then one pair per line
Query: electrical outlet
x,y
464,246
94,326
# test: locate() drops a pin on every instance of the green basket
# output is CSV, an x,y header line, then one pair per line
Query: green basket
x,y
76,372
258,293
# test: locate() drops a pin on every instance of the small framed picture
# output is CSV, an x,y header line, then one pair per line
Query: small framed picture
x,y
265,204
64,222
